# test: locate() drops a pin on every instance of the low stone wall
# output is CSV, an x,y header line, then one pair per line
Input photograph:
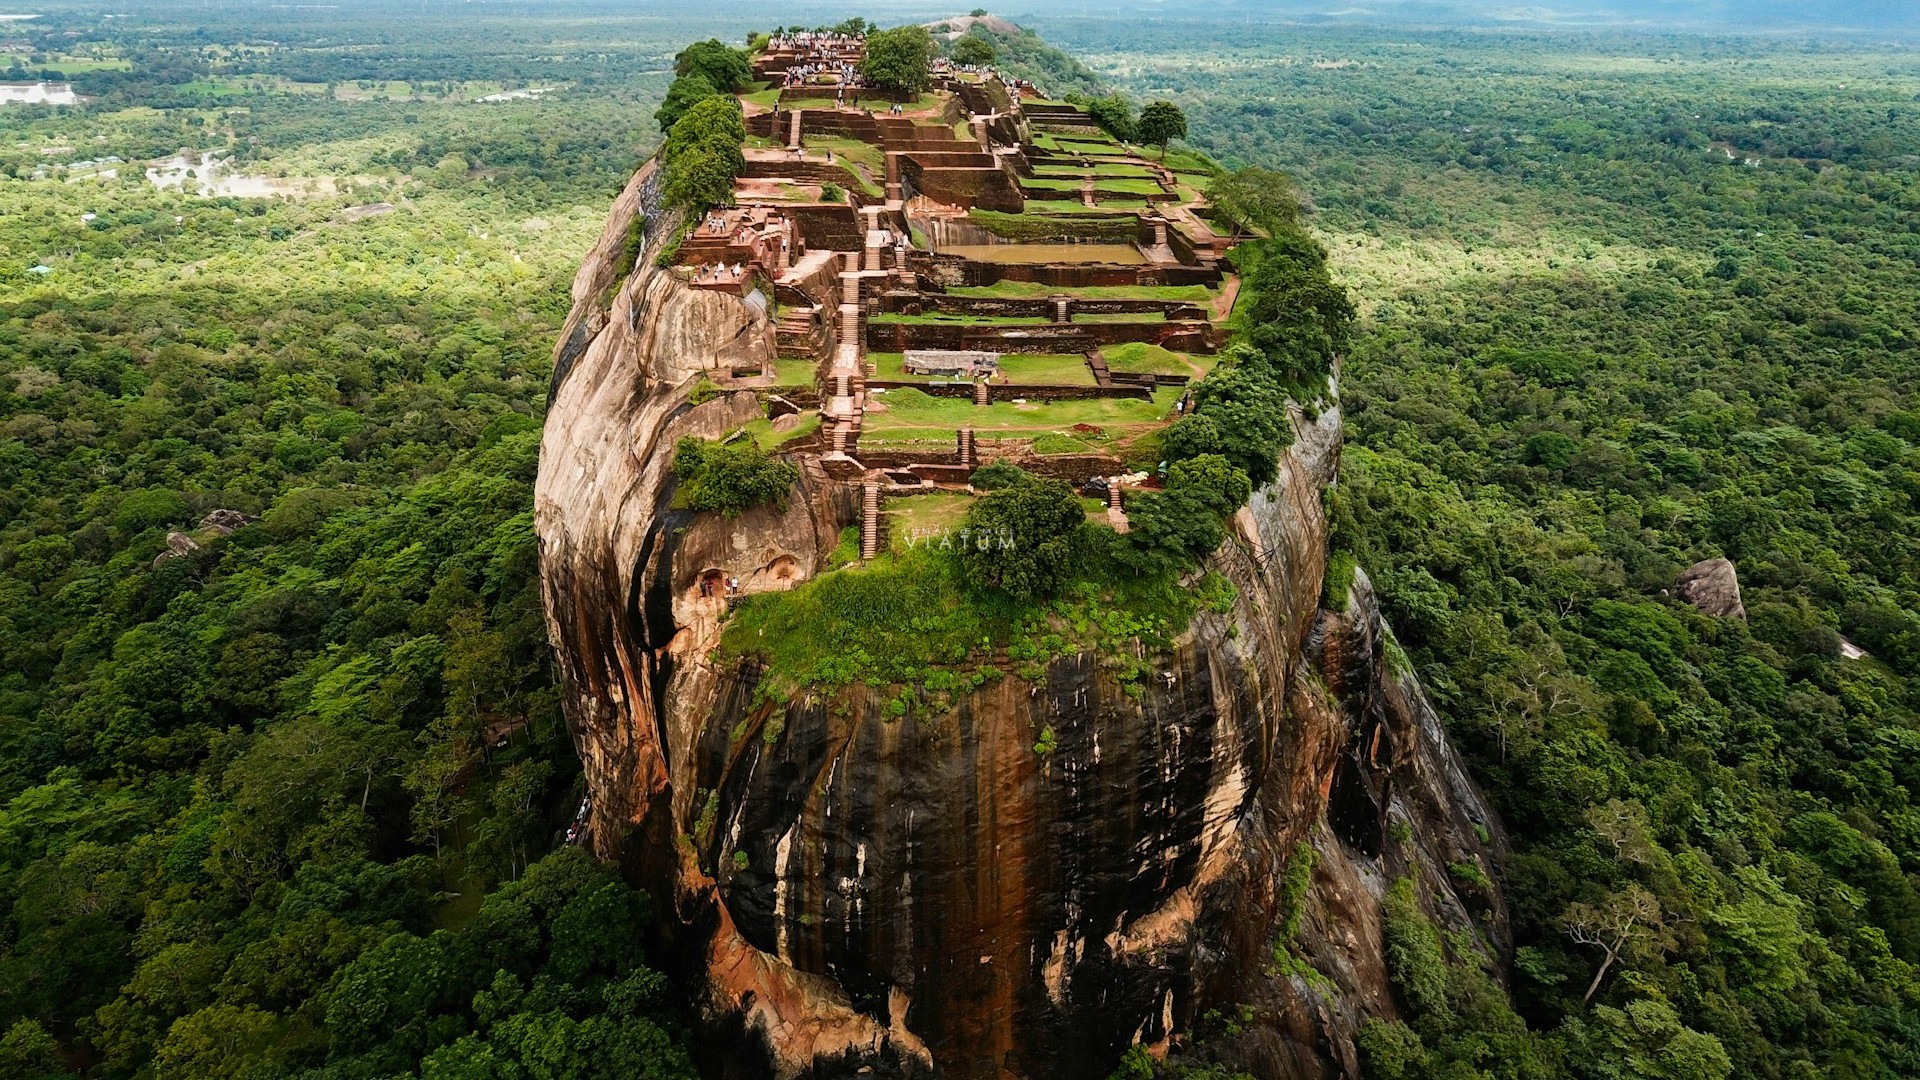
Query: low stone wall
x,y
801,94
835,228
1100,194
1036,337
989,187
1009,391
901,459
1075,469
955,159
937,467
951,271
1006,131
805,172
832,123
819,289
1131,378
1038,113
985,97
1182,246
1041,306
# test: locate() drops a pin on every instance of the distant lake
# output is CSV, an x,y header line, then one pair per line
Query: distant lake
x,y
40,93
205,174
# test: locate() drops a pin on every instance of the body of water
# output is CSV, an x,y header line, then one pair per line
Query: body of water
x,y
42,93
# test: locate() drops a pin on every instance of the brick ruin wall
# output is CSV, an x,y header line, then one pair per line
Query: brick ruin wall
x,y
1036,338
954,271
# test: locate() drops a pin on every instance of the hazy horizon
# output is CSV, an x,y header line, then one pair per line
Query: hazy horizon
x,y
1756,16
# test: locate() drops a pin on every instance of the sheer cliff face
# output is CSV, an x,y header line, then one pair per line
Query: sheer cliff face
x,y
929,895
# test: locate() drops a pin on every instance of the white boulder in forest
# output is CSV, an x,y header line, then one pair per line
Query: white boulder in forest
x,y
1712,587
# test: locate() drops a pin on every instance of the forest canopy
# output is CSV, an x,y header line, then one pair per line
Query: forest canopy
x,y
283,783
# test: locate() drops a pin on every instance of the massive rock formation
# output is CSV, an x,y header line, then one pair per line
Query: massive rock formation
x,y
928,895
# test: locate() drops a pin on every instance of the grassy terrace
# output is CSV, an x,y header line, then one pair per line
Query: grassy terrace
x,y
907,620
1113,207
911,520
1072,221
1098,171
795,372
761,431
913,417
852,150
1121,185
1144,358
768,95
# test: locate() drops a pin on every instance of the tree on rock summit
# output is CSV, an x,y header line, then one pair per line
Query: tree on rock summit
x,y
1161,123
973,50
899,59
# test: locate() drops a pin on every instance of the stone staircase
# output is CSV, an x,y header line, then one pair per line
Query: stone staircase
x,y
870,521
846,378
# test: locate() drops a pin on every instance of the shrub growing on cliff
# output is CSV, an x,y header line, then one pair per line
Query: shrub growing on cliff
x,y
1289,307
1338,580
1246,404
1173,529
899,59
1290,321
701,179
729,477
1415,958
685,92
1113,113
1022,538
724,67
1255,198
703,154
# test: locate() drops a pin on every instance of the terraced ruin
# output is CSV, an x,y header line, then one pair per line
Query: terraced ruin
x,y
966,275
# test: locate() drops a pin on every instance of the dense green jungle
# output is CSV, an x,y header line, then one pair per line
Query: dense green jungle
x,y
290,800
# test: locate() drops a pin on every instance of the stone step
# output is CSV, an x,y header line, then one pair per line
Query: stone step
x,y
870,522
